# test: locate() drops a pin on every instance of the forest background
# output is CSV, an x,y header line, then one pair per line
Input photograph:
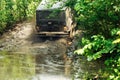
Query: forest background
x,y
14,11
98,19
100,22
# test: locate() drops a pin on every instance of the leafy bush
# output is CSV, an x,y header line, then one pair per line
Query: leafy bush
x,y
100,18
12,11
96,16
109,49
113,62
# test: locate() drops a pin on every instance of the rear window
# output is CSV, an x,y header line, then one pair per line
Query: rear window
x,y
53,14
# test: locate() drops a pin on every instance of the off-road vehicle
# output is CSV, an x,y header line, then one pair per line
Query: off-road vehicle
x,y
54,21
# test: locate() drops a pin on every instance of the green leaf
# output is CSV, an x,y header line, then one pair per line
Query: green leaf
x,y
116,70
97,55
79,51
89,58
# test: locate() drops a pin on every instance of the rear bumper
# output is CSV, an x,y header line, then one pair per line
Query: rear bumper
x,y
53,34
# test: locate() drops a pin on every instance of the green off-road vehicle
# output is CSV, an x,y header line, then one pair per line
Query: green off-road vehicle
x,y
54,21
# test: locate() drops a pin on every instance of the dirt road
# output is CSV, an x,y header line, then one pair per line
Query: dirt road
x,y
45,58
49,54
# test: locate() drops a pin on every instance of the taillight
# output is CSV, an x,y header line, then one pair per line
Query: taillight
x,y
65,28
37,28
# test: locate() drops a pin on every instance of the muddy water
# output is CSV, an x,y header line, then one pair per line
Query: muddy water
x,y
27,66
50,61
16,66
26,56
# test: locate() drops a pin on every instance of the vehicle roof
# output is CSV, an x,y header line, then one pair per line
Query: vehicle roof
x,y
44,5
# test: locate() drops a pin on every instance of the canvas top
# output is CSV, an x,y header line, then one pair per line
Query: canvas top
x,y
45,5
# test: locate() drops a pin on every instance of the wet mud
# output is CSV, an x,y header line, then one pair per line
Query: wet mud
x,y
46,56
26,56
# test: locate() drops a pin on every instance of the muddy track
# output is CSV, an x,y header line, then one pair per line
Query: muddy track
x,y
23,35
23,39
49,54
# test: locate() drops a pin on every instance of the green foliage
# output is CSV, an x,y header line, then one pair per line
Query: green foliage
x,y
96,16
99,47
95,48
113,62
12,11
100,18
71,3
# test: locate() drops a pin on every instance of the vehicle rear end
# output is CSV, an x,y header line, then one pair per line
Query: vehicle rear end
x,y
51,22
